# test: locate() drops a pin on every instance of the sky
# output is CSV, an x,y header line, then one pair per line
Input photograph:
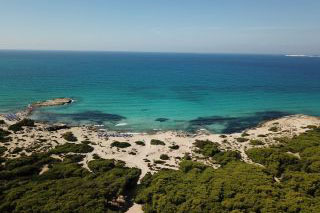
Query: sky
x,y
200,26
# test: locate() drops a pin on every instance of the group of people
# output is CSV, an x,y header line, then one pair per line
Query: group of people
x,y
105,134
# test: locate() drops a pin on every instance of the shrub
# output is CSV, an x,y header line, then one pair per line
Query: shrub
x,y
71,147
244,134
4,135
223,158
273,129
159,162
18,126
16,150
68,136
174,147
2,150
2,122
75,158
241,140
256,142
157,142
207,148
164,157
120,144
141,143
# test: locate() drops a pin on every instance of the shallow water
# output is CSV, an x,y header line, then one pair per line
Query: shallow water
x,y
223,93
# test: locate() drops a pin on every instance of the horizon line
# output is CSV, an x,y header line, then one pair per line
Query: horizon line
x,y
154,52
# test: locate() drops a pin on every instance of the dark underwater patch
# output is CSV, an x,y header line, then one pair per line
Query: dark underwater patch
x,y
162,119
94,116
236,124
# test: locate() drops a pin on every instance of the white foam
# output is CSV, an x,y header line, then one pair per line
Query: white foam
x,y
121,124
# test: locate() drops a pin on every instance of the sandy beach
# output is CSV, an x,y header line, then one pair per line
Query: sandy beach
x,y
145,157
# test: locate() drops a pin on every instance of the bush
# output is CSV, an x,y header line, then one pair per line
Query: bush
x,y
207,148
16,150
273,129
2,150
71,147
223,158
159,162
241,140
2,122
244,134
164,157
75,158
141,143
256,142
174,147
157,142
18,126
68,136
4,135
120,144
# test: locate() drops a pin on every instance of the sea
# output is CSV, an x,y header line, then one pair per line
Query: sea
x,y
141,92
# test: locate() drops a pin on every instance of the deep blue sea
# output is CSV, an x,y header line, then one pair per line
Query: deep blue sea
x,y
146,91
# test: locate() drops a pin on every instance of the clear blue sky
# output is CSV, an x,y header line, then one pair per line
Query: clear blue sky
x,y
231,26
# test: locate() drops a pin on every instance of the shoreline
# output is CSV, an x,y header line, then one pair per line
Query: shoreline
x,y
141,151
144,157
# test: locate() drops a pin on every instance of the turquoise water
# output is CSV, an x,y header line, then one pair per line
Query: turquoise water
x,y
222,93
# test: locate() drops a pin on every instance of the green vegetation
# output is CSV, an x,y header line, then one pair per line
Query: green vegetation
x,y
242,140
244,134
210,149
240,187
2,122
140,143
65,187
159,162
273,129
74,158
16,150
68,136
2,150
71,147
120,144
157,142
174,147
4,136
256,142
18,126
207,148
164,157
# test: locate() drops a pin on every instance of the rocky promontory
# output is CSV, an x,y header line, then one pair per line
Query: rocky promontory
x,y
53,102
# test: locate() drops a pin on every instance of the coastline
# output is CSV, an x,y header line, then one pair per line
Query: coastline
x,y
145,151
145,156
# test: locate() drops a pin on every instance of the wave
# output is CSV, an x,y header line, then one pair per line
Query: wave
x,y
309,56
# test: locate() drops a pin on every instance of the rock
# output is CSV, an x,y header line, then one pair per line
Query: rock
x,y
54,102
162,119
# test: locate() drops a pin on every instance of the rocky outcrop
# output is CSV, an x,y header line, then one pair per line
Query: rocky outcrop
x,y
54,102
